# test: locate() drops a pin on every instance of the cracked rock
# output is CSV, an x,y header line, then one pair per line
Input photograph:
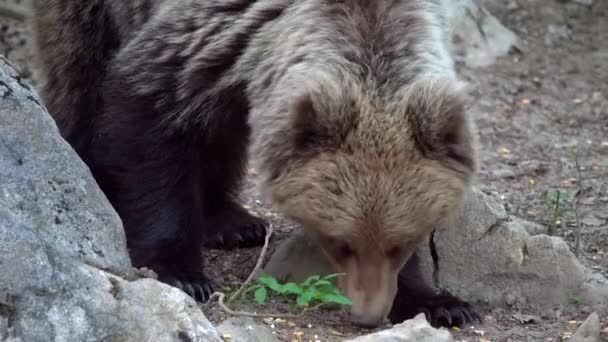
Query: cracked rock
x,y
503,257
65,274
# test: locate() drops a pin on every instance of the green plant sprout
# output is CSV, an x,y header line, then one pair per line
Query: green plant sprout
x,y
314,288
577,300
556,204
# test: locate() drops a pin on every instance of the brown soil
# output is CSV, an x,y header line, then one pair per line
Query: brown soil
x,y
531,108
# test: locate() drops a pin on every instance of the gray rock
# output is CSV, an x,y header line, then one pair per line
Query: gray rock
x,y
589,331
478,38
65,274
47,188
245,329
502,257
412,330
296,259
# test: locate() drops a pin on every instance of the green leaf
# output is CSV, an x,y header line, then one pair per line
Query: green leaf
x,y
334,298
250,288
310,280
260,295
333,275
271,283
305,297
292,288
322,282
327,289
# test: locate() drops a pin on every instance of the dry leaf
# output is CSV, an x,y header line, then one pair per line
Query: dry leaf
x,y
335,332
525,101
569,182
479,332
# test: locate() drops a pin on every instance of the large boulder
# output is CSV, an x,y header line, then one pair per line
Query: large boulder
x,y
505,258
65,274
47,188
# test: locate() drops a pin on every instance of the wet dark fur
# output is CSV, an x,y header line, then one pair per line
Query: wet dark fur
x,y
155,96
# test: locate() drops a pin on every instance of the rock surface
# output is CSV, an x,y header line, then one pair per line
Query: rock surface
x,y
416,329
589,331
503,261
245,329
478,38
65,274
296,259
47,188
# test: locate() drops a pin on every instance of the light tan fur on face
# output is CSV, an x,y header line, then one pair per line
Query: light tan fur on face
x,y
359,133
372,197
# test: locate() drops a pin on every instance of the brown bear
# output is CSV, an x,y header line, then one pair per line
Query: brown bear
x,y
350,109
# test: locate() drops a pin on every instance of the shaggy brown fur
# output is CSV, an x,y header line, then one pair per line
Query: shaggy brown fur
x,y
357,125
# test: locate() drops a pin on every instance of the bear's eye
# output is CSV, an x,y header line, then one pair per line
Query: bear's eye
x,y
394,252
340,249
345,251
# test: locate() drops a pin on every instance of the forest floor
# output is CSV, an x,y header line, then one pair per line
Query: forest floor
x,y
531,108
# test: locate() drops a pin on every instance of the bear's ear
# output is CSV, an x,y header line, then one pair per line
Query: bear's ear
x,y
440,126
304,123
318,122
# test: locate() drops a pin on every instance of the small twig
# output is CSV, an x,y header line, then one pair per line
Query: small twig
x,y
257,267
555,215
577,234
220,300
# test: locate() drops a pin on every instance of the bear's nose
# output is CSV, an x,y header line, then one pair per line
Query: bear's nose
x,y
365,321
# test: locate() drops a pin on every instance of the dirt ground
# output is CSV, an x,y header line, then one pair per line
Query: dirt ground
x,y
531,108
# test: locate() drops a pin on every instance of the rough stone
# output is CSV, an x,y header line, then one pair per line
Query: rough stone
x,y
296,259
47,188
416,329
65,274
501,256
478,38
589,331
245,329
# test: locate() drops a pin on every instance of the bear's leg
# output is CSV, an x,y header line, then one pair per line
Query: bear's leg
x,y
227,223
153,180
